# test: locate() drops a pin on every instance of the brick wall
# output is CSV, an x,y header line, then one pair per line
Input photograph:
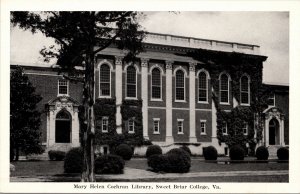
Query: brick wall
x,y
157,113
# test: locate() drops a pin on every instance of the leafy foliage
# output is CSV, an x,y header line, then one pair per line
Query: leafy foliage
x,y
210,153
25,134
283,153
187,149
152,150
56,155
262,153
124,151
174,161
236,153
74,161
109,164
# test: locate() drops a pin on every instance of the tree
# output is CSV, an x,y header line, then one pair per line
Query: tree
x,y
24,118
80,36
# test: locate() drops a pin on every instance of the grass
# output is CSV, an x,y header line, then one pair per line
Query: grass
x,y
202,166
51,168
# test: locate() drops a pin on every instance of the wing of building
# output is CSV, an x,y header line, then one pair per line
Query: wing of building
x,y
173,96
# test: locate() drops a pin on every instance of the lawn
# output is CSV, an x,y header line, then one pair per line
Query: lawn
x,y
41,168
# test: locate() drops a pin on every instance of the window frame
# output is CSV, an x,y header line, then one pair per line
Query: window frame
x,y
180,132
104,118
274,102
126,83
184,86
228,90
207,79
248,90
58,87
110,90
225,126
133,126
203,121
158,127
151,88
247,128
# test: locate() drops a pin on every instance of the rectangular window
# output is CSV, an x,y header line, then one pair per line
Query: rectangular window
x,y
130,126
245,129
224,128
63,87
271,100
180,126
203,127
156,125
104,124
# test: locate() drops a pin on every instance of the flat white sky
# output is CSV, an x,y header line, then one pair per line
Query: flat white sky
x,y
269,30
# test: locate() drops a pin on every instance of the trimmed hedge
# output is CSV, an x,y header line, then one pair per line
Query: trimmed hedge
x,y
283,153
187,149
237,153
174,161
152,150
262,153
56,155
124,151
210,153
74,161
109,164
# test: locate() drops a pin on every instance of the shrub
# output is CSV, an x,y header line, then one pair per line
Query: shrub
x,y
124,151
174,161
236,153
74,161
152,150
109,164
262,153
56,155
283,153
210,153
158,163
187,149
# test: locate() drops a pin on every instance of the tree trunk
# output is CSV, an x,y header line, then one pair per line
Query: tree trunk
x,y
88,174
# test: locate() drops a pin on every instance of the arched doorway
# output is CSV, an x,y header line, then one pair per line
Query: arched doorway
x,y
274,135
63,127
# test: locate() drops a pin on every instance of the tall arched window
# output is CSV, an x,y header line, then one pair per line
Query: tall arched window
x,y
156,84
63,127
104,80
202,87
131,82
180,90
245,90
224,88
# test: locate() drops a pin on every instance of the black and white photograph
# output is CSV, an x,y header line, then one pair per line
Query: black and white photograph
x,y
149,101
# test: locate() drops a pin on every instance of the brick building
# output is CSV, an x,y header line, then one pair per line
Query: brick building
x,y
179,87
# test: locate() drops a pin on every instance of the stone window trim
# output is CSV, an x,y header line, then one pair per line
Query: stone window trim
x,y
245,128
243,91
202,128
135,84
198,82
180,68
104,125
180,126
156,121
227,102
131,126
105,62
62,84
225,128
160,85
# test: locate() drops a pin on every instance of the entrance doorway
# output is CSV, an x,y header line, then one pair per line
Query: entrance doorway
x,y
274,132
63,127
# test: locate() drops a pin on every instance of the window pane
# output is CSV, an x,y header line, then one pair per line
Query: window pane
x,y
131,82
105,89
224,82
156,83
62,86
244,84
105,73
179,93
179,79
224,96
244,98
202,87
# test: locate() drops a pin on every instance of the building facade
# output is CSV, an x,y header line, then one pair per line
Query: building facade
x,y
171,96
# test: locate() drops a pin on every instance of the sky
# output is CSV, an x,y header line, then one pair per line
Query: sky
x,y
269,30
